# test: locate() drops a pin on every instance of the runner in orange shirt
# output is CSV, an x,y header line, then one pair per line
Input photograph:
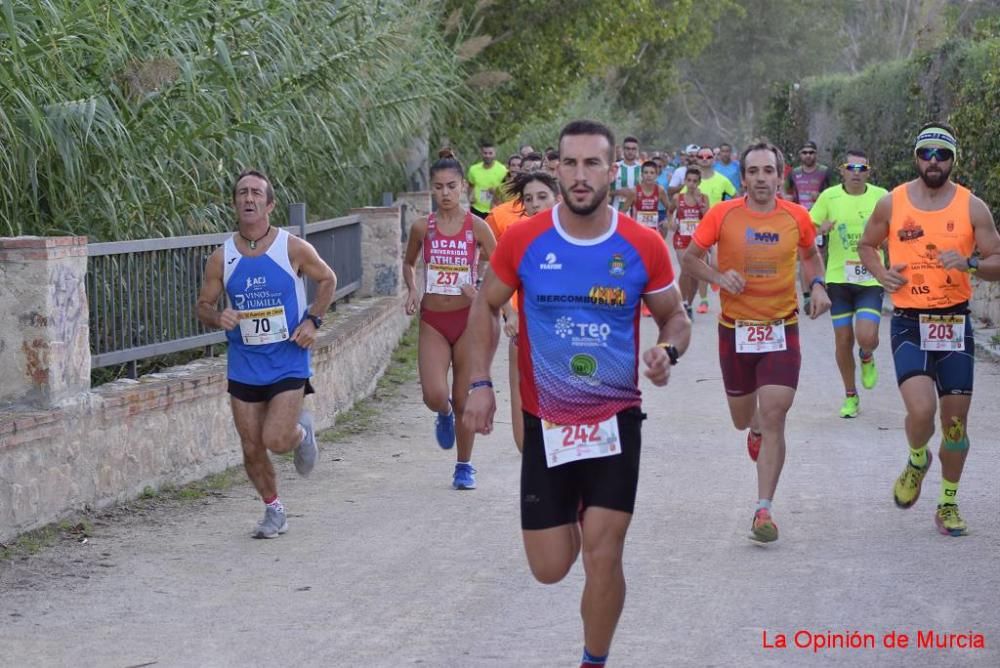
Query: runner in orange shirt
x,y
536,191
758,239
933,226
503,215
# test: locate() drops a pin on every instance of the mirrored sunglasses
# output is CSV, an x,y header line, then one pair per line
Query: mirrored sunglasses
x,y
942,154
855,167
706,156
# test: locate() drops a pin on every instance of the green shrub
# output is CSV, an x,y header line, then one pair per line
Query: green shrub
x,y
127,119
880,109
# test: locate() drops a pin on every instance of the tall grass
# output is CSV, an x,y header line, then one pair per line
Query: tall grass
x,y
128,119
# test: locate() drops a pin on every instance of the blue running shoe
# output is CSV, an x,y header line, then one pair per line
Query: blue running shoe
x,y
444,429
465,476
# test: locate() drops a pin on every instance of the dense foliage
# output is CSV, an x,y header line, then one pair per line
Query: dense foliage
x,y
880,109
128,119
530,62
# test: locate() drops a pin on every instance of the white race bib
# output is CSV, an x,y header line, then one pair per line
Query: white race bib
x,y
686,227
263,325
486,196
569,443
819,240
753,336
942,332
855,272
648,218
447,279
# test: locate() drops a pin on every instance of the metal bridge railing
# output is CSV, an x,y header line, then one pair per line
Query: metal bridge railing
x,y
142,294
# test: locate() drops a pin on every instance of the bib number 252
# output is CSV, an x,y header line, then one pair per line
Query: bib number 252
x,y
760,337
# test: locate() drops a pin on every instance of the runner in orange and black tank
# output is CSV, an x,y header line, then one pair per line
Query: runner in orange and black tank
x,y
934,227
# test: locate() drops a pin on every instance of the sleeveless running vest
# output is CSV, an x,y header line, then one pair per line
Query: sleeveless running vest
x,y
916,238
688,216
450,262
647,207
271,300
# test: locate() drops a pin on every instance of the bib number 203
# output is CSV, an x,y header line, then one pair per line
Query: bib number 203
x,y
939,331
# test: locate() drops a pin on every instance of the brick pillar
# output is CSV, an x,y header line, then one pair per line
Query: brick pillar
x,y
417,204
381,252
44,328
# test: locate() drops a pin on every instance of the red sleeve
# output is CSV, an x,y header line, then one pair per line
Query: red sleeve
x,y
657,260
653,252
506,258
706,234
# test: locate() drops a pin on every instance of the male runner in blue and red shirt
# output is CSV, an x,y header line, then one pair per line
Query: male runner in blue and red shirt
x,y
581,271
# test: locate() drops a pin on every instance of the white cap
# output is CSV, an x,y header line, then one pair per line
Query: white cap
x,y
692,148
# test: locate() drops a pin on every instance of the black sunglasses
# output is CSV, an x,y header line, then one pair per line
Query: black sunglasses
x,y
942,154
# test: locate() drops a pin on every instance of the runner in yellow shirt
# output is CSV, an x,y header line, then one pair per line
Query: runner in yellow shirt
x,y
856,297
485,178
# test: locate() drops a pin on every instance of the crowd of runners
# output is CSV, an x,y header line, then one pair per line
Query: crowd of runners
x,y
562,252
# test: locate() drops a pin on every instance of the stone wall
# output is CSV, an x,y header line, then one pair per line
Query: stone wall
x,y
169,427
986,301
65,447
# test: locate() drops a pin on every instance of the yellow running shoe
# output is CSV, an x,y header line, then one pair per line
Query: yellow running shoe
x,y
869,374
949,522
850,407
906,491
763,529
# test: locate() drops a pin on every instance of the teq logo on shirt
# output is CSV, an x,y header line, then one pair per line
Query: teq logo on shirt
x,y
583,333
256,282
551,262
767,238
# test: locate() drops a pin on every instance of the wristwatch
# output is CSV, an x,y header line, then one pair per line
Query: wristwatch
x,y
671,352
972,264
316,320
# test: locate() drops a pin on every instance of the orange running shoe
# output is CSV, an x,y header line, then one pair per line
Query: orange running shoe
x,y
753,444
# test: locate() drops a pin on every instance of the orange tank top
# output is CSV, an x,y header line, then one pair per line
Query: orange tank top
x,y
917,237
